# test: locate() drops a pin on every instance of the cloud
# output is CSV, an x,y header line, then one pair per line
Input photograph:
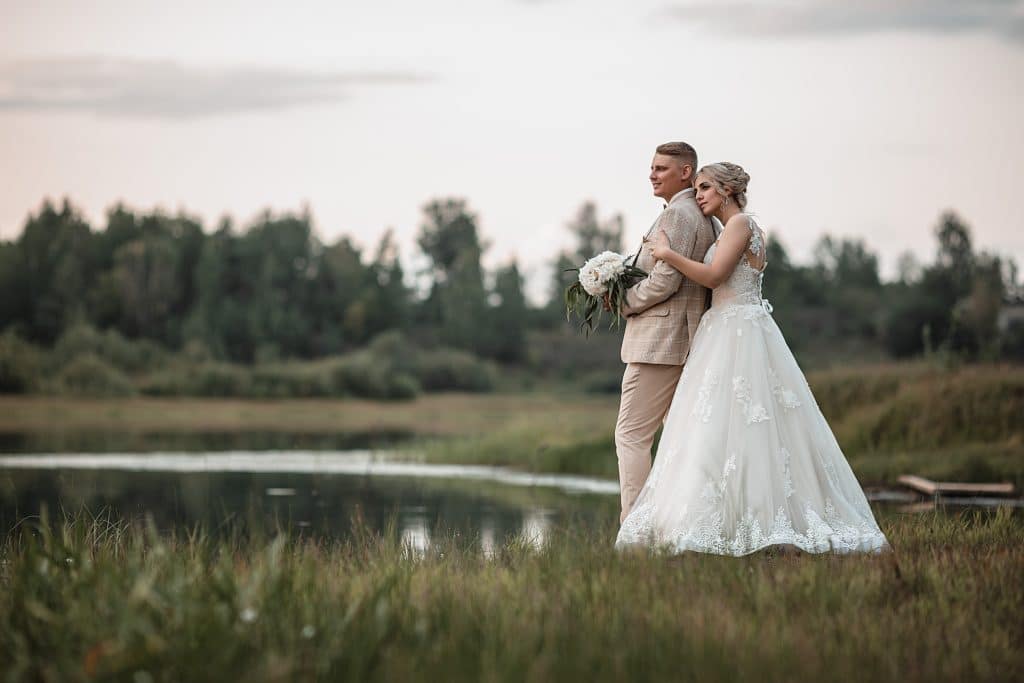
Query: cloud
x,y
1004,18
165,89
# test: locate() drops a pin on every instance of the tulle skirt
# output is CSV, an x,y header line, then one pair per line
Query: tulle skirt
x,y
746,459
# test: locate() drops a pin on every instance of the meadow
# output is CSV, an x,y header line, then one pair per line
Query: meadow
x,y
97,599
87,597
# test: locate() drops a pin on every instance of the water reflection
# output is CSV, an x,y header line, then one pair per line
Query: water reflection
x,y
415,535
488,536
536,524
325,505
323,494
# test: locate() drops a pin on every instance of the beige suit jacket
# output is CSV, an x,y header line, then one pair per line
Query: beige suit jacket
x,y
663,310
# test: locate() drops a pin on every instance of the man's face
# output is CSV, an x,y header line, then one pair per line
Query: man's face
x,y
668,176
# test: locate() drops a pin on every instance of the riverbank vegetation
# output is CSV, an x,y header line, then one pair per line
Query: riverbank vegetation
x,y
947,423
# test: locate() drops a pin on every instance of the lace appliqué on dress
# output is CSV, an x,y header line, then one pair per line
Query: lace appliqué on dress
x,y
754,412
702,407
714,490
823,532
756,243
783,396
787,475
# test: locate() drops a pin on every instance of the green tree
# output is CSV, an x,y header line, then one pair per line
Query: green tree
x,y
220,319
846,263
797,304
591,236
975,316
57,270
457,302
146,280
15,304
339,311
510,316
845,271
386,294
955,259
279,264
922,314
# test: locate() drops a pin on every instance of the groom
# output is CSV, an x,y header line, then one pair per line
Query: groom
x,y
662,312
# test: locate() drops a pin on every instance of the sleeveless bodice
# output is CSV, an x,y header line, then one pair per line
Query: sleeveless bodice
x,y
743,287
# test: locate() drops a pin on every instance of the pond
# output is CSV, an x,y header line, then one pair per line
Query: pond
x,y
301,484
306,492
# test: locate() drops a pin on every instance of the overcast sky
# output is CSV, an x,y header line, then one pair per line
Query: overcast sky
x,y
859,118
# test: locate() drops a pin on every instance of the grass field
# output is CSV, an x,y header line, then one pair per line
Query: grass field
x,y
965,424
87,599
102,599
436,415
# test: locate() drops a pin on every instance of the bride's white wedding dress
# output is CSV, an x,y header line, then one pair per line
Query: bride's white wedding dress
x,y
746,459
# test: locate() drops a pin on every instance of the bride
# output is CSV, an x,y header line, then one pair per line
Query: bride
x,y
746,459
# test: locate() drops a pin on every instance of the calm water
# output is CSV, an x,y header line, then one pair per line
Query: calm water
x,y
307,492
310,485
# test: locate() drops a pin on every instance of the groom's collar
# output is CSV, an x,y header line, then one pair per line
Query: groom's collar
x,y
680,195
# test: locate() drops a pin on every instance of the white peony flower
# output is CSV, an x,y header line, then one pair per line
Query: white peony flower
x,y
601,270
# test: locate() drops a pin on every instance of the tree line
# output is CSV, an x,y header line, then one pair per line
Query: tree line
x,y
272,290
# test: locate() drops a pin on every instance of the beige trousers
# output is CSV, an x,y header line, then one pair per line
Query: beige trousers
x,y
647,391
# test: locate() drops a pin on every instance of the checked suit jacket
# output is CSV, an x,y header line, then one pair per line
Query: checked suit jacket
x,y
663,310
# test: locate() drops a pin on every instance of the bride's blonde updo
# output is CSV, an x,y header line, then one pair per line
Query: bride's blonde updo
x,y
729,179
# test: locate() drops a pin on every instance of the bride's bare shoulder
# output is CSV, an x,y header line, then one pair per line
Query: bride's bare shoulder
x,y
742,218
738,224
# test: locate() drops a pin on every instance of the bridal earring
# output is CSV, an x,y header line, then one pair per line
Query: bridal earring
x,y
726,202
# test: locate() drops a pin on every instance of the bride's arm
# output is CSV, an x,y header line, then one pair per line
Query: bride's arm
x,y
735,237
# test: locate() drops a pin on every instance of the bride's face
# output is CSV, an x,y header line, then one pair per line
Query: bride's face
x,y
707,197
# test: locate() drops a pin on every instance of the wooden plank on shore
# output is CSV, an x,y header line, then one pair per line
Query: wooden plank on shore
x,y
932,488
925,486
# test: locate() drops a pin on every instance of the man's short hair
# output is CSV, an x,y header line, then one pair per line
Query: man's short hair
x,y
684,152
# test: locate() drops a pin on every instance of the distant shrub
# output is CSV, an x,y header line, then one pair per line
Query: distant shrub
x,y
167,382
196,351
289,381
451,370
603,382
219,379
206,379
87,375
366,375
359,375
20,364
403,388
396,349
432,369
565,354
124,354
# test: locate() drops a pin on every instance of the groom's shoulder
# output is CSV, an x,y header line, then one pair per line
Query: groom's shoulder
x,y
684,209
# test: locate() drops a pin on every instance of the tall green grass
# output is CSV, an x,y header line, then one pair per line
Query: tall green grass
x,y
94,599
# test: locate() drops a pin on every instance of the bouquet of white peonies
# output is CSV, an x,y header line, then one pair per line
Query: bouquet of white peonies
x,y
607,274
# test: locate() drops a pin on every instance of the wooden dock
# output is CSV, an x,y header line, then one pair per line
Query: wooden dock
x,y
947,488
